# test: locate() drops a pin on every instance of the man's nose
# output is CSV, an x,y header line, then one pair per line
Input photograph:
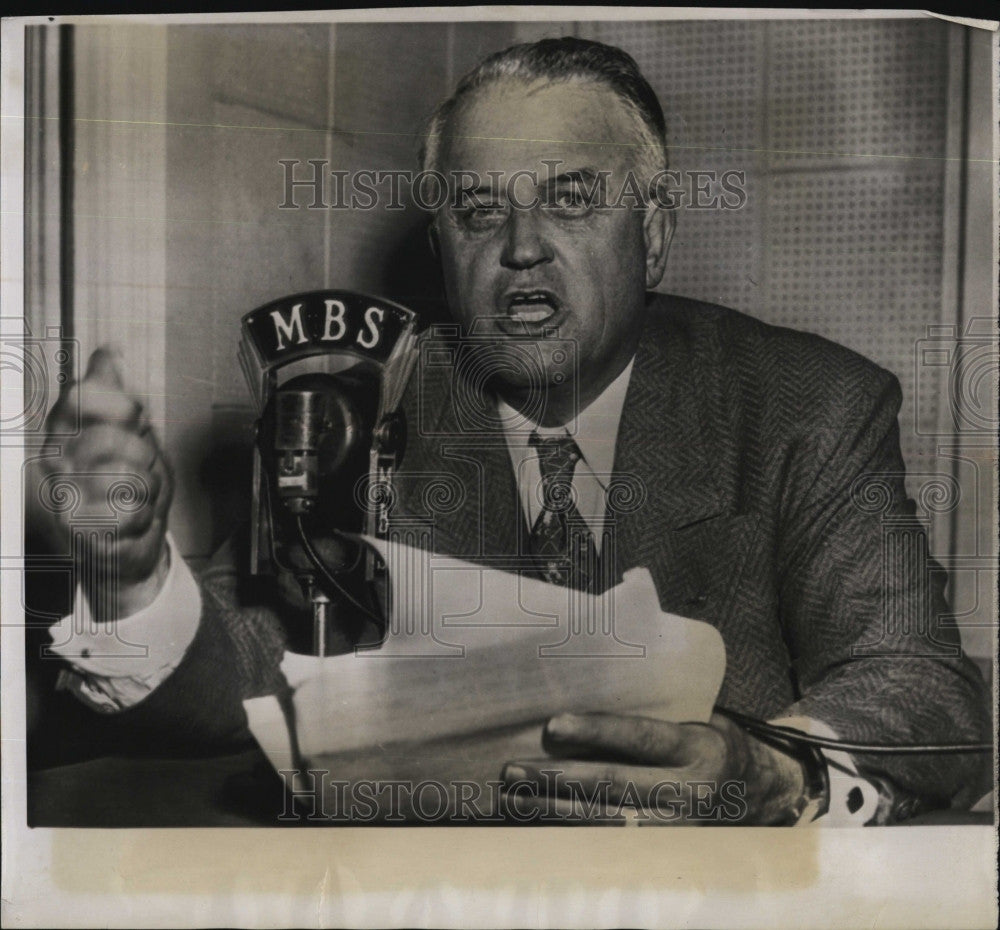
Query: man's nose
x,y
526,244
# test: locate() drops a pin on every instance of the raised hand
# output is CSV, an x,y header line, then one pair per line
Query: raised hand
x,y
112,465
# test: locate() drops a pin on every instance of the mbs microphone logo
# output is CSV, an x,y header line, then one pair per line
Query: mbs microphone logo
x,y
326,321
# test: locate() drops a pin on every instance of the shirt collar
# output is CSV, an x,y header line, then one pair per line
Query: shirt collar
x,y
595,428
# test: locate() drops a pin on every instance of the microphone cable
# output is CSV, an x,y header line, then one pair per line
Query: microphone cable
x,y
761,727
327,576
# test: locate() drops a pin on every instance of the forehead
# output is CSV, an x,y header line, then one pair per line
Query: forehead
x,y
512,124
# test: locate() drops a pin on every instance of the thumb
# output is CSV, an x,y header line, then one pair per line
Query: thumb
x,y
104,368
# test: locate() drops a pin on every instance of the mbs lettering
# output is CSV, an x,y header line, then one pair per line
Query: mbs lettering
x,y
335,327
325,321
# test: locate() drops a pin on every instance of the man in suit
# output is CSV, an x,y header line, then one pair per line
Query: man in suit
x,y
767,464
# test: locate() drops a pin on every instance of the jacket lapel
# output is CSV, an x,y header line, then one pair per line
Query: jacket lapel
x,y
663,451
475,511
489,525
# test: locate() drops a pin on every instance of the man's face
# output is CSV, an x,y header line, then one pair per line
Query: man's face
x,y
558,267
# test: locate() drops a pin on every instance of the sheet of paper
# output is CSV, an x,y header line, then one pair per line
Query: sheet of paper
x,y
472,649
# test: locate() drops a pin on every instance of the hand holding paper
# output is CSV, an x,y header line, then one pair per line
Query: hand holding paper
x,y
690,773
472,650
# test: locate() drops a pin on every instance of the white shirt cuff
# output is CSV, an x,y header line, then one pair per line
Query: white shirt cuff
x,y
115,665
853,800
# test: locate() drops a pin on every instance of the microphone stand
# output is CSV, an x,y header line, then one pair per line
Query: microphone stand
x,y
321,618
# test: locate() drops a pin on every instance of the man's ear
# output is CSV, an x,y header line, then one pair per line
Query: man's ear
x,y
658,231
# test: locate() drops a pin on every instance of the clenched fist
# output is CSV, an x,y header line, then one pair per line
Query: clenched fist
x,y
113,465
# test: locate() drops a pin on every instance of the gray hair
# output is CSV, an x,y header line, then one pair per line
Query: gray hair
x,y
562,60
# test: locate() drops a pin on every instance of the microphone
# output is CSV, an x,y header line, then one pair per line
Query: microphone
x,y
318,429
298,420
327,370
318,443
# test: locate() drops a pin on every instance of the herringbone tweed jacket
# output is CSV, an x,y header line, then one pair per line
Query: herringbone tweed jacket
x,y
775,509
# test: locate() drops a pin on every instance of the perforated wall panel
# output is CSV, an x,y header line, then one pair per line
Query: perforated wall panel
x,y
840,127
856,255
709,78
856,89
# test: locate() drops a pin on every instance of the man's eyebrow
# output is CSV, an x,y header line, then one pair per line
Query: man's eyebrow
x,y
481,189
574,175
494,188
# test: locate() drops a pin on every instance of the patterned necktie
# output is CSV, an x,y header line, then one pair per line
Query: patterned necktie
x,y
560,540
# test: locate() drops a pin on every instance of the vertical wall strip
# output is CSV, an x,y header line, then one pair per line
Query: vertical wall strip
x,y
954,310
34,164
67,137
328,150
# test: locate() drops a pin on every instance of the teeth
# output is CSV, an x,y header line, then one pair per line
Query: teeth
x,y
532,307
532,314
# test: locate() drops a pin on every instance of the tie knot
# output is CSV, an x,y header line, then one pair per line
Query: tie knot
x,y
557,455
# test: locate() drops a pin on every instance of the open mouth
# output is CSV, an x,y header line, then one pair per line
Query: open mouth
x,y
532,306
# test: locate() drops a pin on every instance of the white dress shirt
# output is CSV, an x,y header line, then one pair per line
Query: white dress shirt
x,y
595,430
116,665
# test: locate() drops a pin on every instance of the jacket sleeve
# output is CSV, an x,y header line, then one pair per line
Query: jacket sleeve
x,y
197,709
863,609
